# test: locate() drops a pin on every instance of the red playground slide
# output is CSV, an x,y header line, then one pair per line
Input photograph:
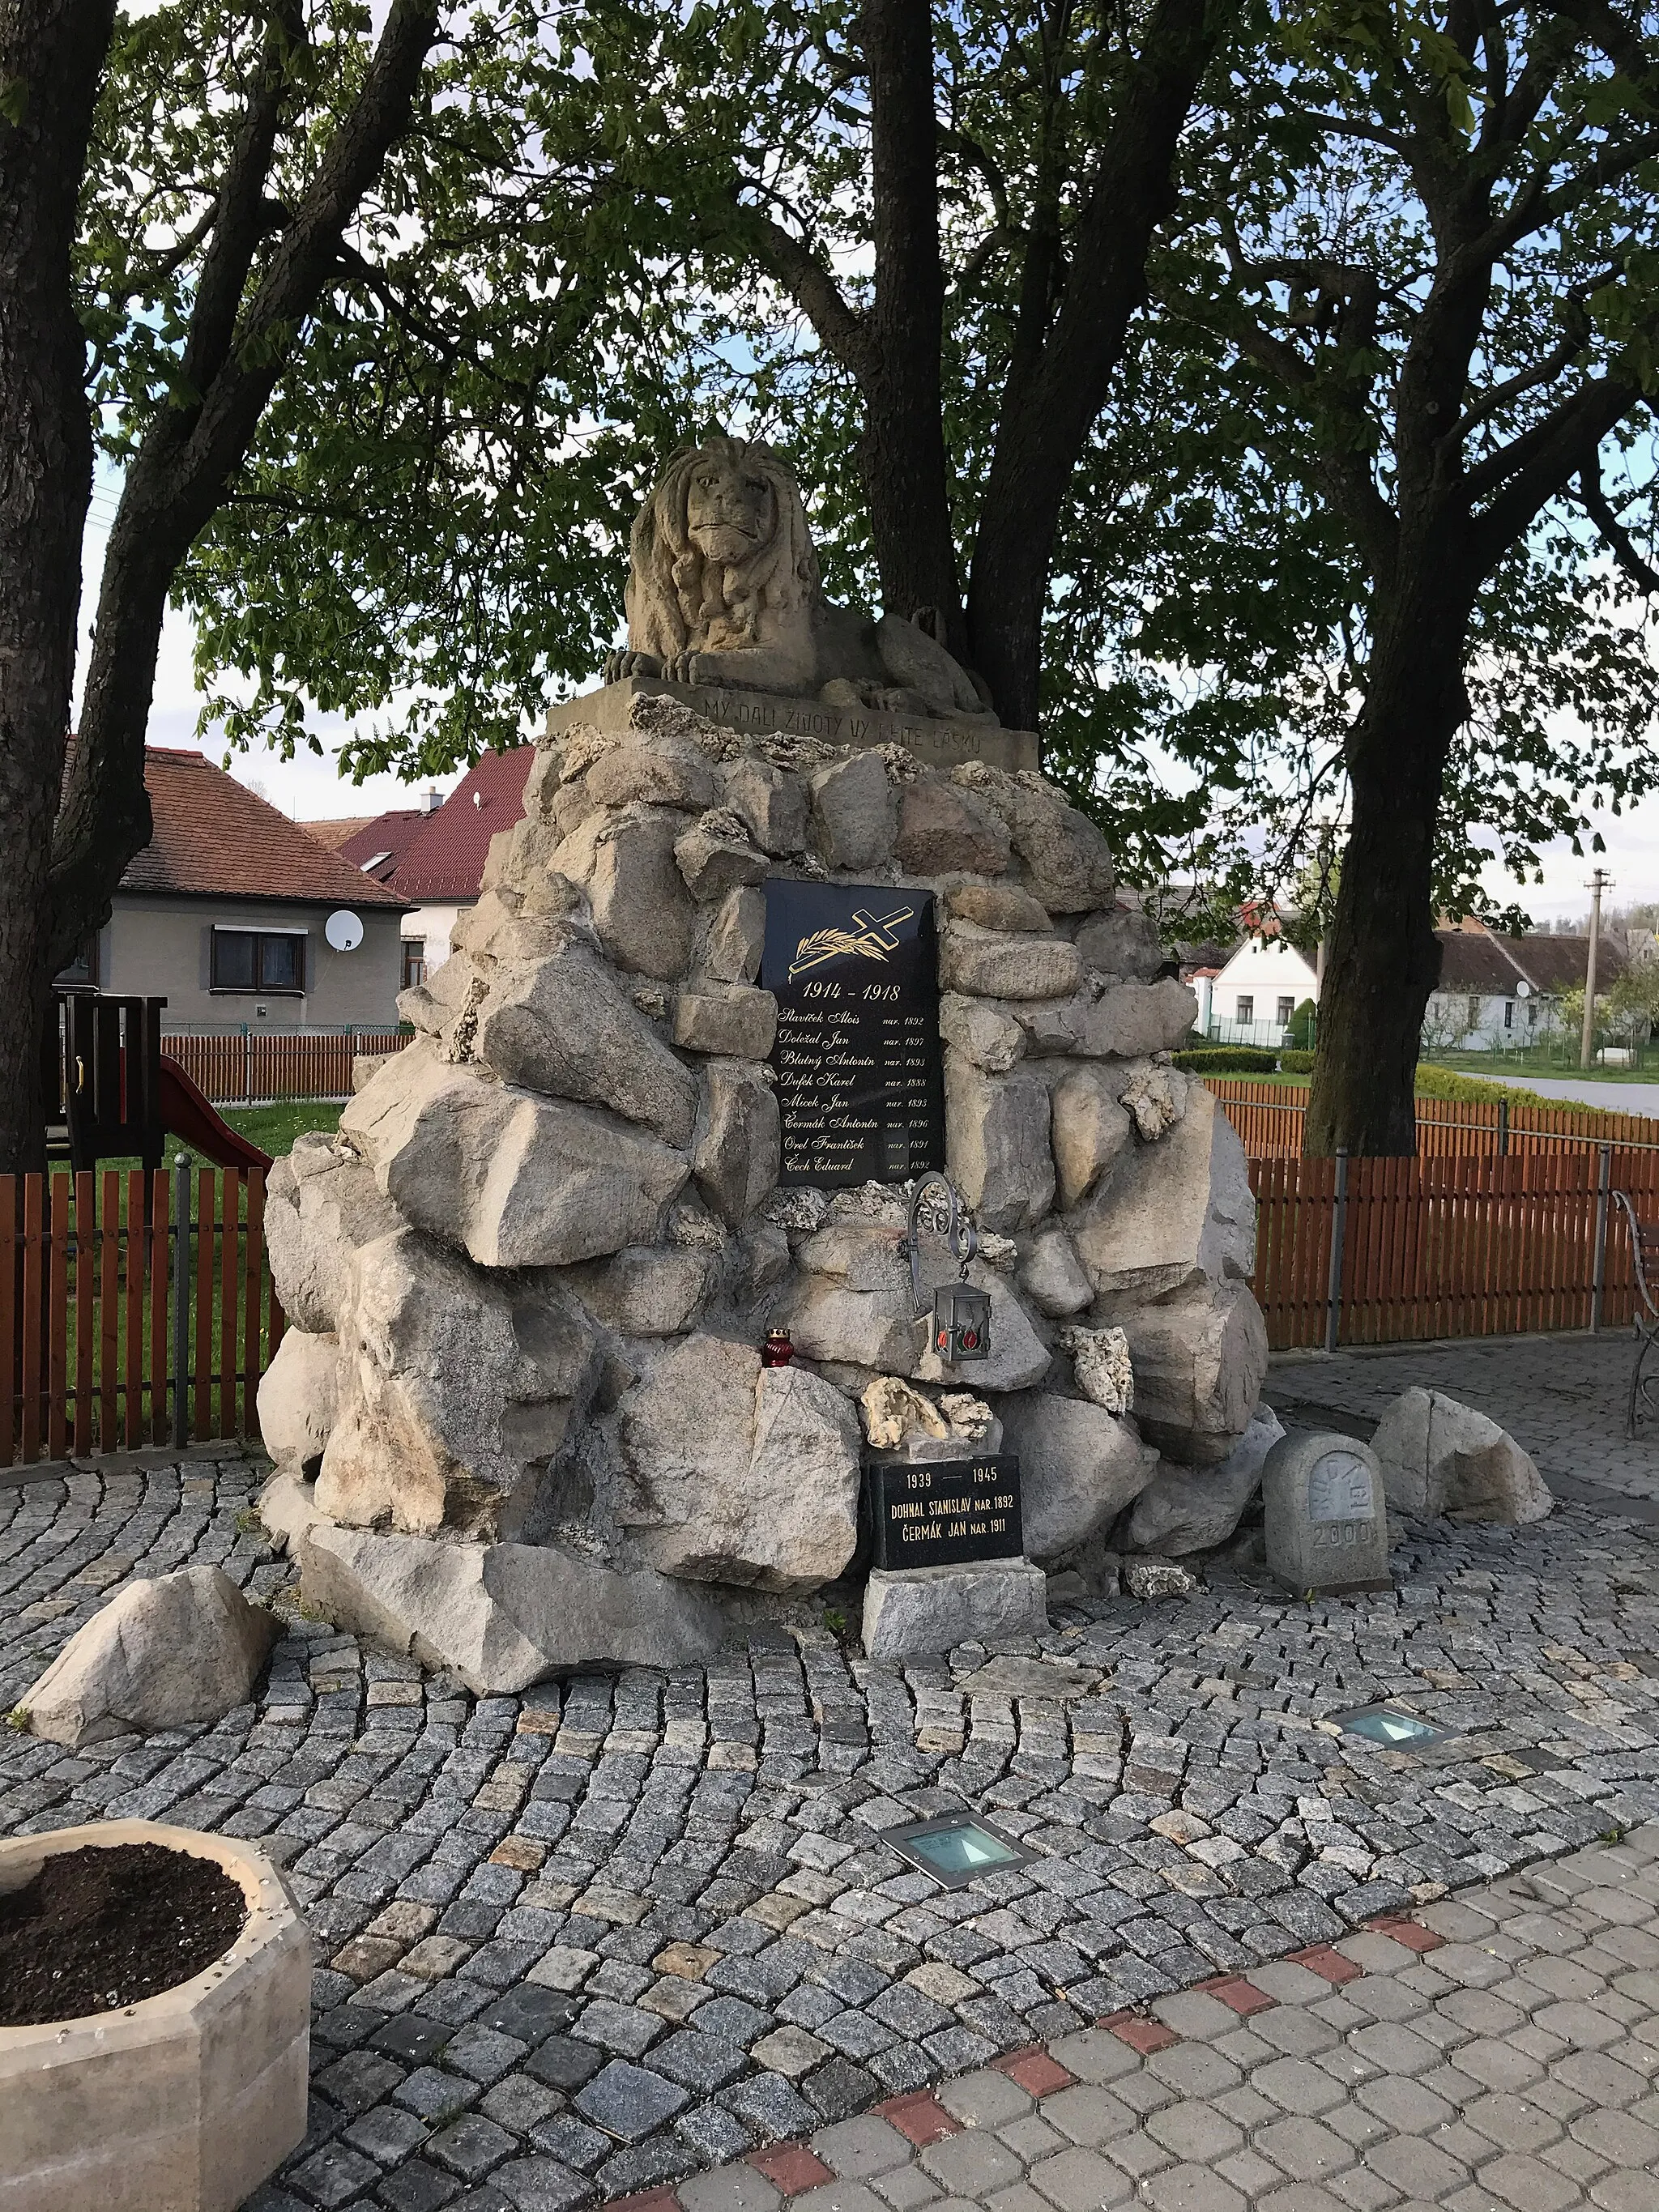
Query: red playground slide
x,y
186,1113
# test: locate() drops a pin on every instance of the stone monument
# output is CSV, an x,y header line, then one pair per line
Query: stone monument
x,y
1325,1523
789,920
725,613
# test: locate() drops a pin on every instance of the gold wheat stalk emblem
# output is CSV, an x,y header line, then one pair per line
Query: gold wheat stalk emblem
x,y
872,940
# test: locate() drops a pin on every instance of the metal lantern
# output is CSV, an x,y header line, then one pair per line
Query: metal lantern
x,y
960,1328
962,1324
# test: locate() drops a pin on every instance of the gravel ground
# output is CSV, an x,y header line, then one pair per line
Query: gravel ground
x,y
578,1944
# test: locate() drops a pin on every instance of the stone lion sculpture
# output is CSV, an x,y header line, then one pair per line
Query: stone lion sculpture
x,y
723,589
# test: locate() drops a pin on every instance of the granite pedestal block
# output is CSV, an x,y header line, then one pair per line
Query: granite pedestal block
x,y
909,1611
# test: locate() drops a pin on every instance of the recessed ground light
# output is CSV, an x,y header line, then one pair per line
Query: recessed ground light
x,y
956,1848
1381,1724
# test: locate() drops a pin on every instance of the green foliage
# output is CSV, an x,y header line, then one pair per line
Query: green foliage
x,y
1446,1083
1317,214
429,525
559,279
1298,1060
1227,1059
1632,1002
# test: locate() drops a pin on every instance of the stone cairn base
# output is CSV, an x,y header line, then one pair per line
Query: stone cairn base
x,y
520,1418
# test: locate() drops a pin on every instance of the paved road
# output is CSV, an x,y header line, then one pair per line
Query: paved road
x,y
1614,1097
1563,1397
1495,2054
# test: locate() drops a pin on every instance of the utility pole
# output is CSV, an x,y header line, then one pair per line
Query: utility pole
x,y
1600,882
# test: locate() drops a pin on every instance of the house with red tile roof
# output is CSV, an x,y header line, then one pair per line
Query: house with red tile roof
x,y
226,913
434,858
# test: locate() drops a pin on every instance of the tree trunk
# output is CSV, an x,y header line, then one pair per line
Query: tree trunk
x,y
237,348
1382,959
52,56
105,818
901,448
1059,376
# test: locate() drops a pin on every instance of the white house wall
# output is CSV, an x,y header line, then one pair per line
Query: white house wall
x,y
433,926
1499,1024
1274,978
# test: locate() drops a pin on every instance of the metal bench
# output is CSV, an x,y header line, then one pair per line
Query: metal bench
x,y
1644,1262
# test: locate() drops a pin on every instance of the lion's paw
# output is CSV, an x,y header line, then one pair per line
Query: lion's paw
x,y
622,663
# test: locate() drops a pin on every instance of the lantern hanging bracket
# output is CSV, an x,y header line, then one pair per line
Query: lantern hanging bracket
x,y
960,1234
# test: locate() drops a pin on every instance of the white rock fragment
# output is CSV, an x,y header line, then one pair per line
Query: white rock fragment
x,y
1100,1360
1440,1456
912,1611
164,1654
1079,1466
1194,1509
500,1616
894,1412
1156,1095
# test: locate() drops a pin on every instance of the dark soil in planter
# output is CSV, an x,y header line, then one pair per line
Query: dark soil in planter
x,y
102,1927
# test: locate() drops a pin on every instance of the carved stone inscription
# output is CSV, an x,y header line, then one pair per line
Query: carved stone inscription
x,y
861,1073
940,1512
1340,1489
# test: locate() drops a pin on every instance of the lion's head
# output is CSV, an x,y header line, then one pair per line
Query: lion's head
x,y
721,557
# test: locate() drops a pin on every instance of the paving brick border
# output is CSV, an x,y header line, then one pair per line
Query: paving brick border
x,y
794,2168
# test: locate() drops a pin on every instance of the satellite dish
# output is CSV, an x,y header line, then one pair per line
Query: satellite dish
x,y
1523,989
344,930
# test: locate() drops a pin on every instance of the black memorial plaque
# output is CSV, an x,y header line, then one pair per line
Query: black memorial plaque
x,y
854,969
941,1512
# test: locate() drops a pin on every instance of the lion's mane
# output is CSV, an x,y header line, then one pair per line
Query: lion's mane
x,y
677,601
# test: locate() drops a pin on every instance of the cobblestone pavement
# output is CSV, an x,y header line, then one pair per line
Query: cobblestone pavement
x,y
1562,1398
1496,2054
584,1943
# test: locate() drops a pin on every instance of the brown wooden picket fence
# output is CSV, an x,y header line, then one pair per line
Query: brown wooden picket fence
x,y
1268,1118
1447,1246
132,1311
260,1064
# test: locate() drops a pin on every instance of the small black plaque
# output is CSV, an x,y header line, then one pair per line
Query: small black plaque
x,y
942,1512
854,969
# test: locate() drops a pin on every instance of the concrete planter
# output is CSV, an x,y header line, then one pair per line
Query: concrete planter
x,y
185,2102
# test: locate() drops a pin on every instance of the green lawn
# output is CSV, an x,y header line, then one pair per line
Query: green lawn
x,y
1562,1067
273,1128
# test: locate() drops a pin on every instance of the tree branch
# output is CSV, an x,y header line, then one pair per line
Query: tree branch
x,y
1597,504
1350,127
978,157
841,330
1536,208
184,463
376,282
1343,468
1500,395
239,211
1534,468
310,244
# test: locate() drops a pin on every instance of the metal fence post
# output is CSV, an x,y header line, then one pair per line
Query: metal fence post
x,y
1339,1220
1503,1128
181,1302
1599,1280
248,1065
